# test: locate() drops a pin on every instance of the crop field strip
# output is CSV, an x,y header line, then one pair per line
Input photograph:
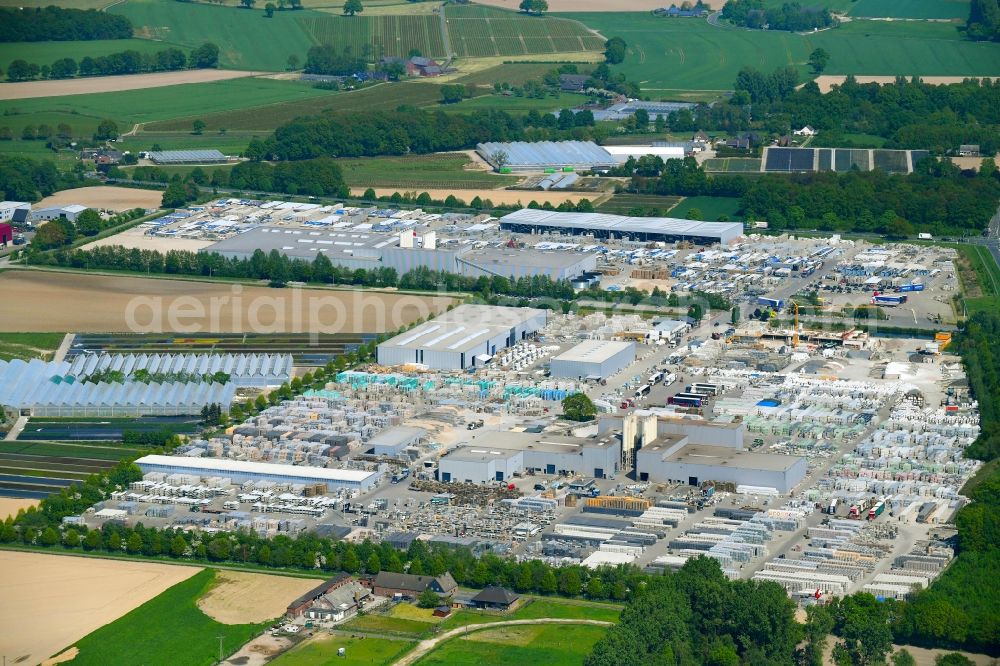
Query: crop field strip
x,y
484,32
623,204
386,35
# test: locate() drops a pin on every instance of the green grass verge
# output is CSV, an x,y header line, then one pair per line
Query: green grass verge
x,y
359,651
538,608
386,624
538,645
28,345
169,629
985,473
666,56
912,9
981,286
89,451
712,208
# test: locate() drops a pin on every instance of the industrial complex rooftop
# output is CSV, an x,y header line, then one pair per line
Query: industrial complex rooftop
x,y
593,351
463,328
529,220
700,454
225,466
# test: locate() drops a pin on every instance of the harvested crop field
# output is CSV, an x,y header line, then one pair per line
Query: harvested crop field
x,y
827,81
248,598
136,238
105,197
9,506
51,601
101,84
85,303
496,196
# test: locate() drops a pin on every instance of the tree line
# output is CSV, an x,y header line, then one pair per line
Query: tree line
x,y
790,16
937,197
25,179
984,20
130,61
56,24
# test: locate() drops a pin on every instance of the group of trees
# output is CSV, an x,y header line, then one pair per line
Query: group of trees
x,y
771,87
317,177
60,232
984,20
325,59
790,16
41,132
697,616
25,179
55,24
614,51
124,62
537,7
938,197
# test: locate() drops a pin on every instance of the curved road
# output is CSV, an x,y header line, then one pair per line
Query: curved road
x,y
423,647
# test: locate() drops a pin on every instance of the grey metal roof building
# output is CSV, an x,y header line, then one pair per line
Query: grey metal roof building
x,y
369,250
593,358
673,461
187,157
541,155
600,225
465,337
626,110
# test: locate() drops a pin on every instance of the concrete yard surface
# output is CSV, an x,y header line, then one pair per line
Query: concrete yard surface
x,y
50,601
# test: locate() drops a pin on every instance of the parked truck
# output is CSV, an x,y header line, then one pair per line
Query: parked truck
x,y
876,510
774,303
911,287
888,300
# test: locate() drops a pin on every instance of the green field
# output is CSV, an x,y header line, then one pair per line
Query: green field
x,y
669,56
537,645
516,74
169,629
84,112
712,208
514,104
88,451
359,651
733,164
486,31
46,53
388,624
914,9
386,35
981,288
28,345
538,608
625,204
431,171
384,97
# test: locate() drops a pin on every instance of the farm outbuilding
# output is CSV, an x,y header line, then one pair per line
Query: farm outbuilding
x,y
593,358
466,337
188,157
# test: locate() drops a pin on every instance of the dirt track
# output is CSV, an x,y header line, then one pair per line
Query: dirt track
x,y
244,598
102,196
84,303
100,84
51,601
827,81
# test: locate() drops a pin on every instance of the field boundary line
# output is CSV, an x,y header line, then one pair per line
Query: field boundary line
x,y
424,647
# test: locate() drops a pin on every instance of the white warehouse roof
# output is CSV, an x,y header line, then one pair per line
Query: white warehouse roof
x,y
226,466
594,351
622,153
602,224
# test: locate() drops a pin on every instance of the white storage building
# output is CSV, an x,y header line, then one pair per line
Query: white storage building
x,y
466,337
593,359
240,471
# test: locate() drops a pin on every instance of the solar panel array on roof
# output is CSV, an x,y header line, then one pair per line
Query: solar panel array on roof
x,y
523,155
186,156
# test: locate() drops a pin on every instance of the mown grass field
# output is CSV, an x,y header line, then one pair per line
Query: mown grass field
x,y
513,104
711,208
28,345
46,53
733,164
478,31
88,451
359,651
83,112
627,204
539,645
431,171
167,630
915,9
668,56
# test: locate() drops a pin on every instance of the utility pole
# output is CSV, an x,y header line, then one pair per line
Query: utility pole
x,y
220,647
